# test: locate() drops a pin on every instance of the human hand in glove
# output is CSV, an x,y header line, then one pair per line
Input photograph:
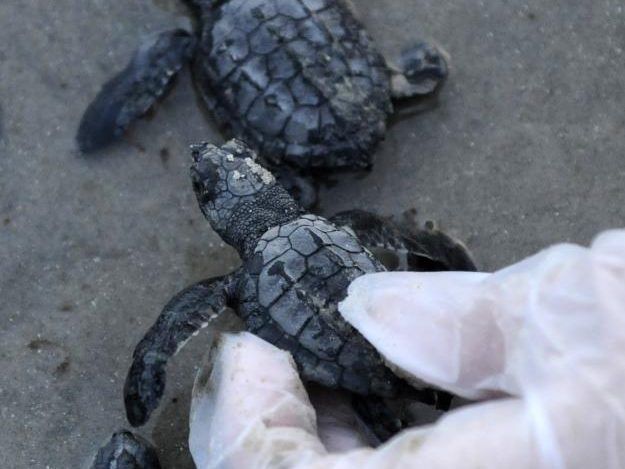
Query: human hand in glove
x,y
539,345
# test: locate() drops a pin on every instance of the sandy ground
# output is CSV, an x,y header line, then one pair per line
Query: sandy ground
x,y
524,149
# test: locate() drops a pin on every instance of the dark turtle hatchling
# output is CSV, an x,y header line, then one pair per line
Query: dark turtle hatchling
x,y
126,451
299,80
296,269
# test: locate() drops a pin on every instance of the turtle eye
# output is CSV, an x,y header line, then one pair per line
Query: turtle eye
x,y
204,178
205,175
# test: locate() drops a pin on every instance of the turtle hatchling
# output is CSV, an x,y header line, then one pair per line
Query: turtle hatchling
x,y
296,269
299,80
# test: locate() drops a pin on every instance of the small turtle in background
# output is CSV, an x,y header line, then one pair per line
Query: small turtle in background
x,y
299,80
296,269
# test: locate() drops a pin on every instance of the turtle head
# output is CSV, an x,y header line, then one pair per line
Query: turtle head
x,y
226,175
239,197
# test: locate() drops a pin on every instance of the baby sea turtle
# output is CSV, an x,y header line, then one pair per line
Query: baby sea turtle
x,y
126,451
296,269
299,80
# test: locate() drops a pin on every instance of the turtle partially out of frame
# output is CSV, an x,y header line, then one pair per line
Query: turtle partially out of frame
x,y
299,80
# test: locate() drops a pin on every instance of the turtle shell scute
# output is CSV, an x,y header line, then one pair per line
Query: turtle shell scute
x,y
299,80
289,293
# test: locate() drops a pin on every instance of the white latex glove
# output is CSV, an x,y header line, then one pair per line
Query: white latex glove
x,y
546,335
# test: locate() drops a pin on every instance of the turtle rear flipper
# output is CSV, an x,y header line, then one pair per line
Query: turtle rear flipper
x,y
135,90
377,416
126,451
400,248
434,250
385,421
421,71
189,311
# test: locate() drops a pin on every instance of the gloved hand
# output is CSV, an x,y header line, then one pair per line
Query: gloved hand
x,y
541,344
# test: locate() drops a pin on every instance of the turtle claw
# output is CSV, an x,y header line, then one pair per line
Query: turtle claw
x,y
125,450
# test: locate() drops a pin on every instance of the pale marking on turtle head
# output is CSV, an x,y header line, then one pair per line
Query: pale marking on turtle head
x,y
255,168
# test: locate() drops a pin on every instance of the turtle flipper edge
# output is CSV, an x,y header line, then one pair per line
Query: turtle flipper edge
x,y
135,90
184,315
404,249
421,72
126,451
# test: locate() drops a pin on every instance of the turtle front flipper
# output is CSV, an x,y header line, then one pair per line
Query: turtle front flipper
x,y
404,249
189,311
421,70
126,451
135,90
